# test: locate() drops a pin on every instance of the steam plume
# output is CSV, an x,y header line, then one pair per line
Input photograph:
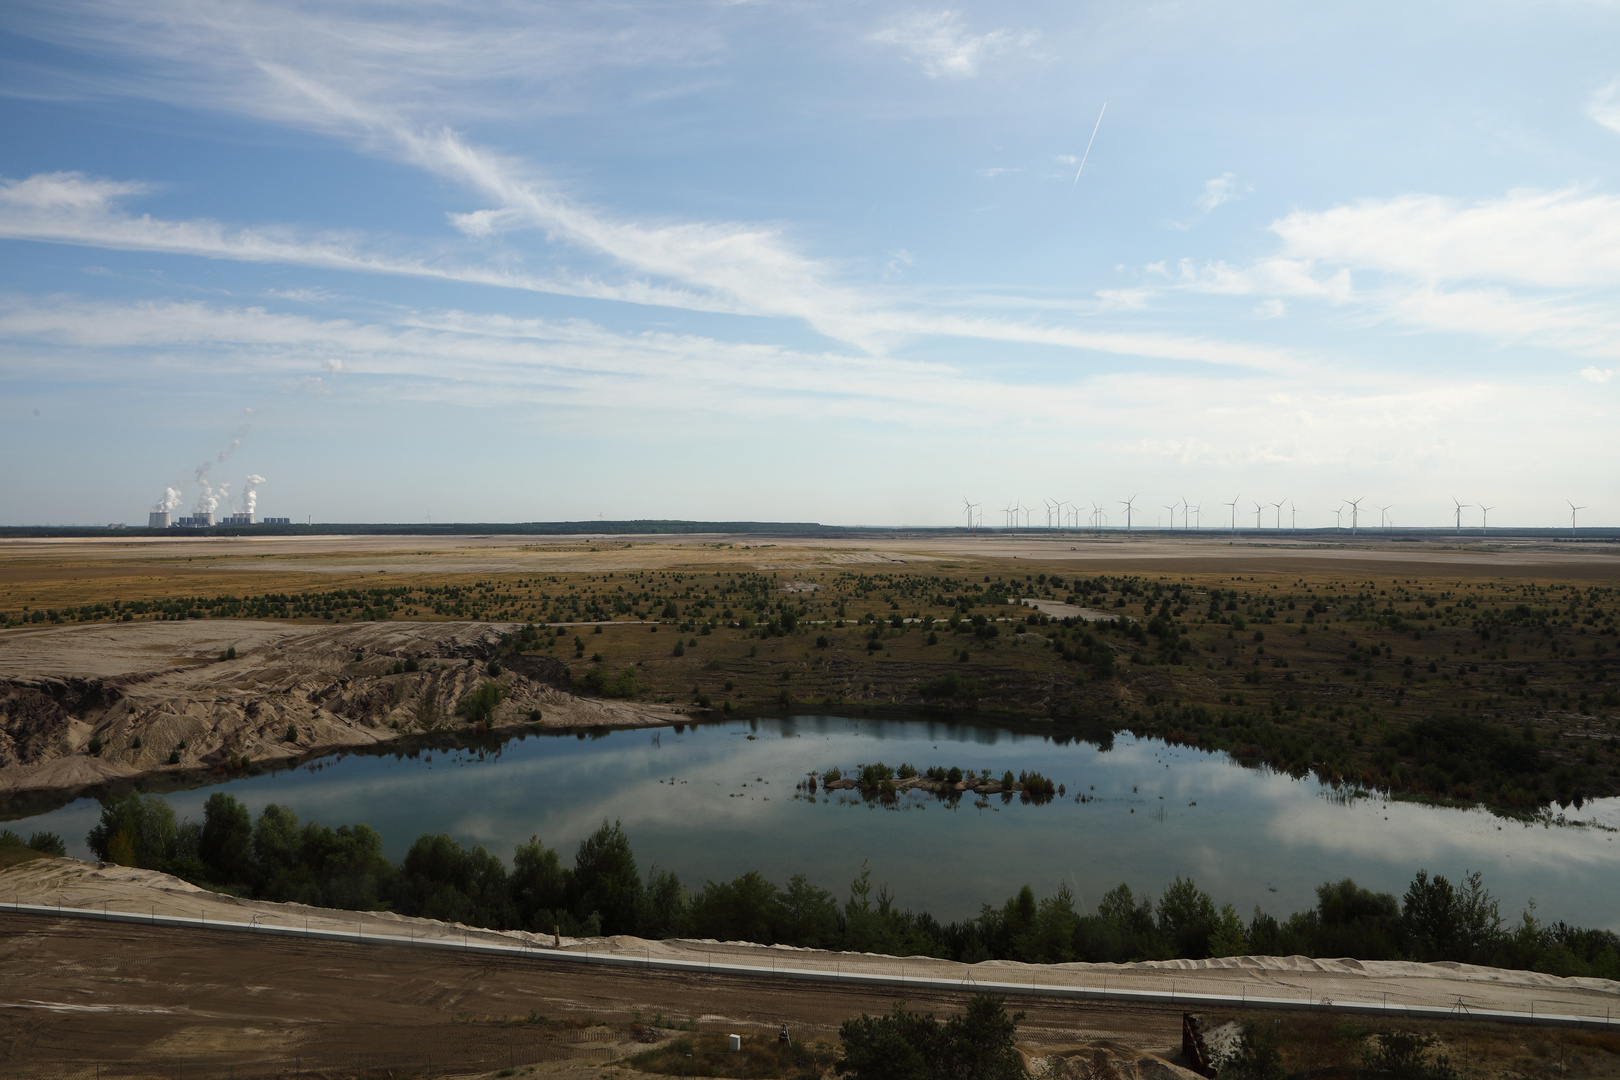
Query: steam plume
x,y
250,492
169,503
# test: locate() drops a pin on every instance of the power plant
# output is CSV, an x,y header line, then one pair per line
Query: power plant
x,y
162,516
203,519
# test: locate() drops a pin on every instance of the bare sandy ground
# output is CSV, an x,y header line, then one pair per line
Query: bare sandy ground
x,y
149,690
1111,553
1462,987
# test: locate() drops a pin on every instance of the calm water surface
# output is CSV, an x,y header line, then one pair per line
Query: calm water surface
x,y
714,801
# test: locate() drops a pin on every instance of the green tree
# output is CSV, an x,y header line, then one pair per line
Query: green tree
x,y
226,844
442,880
1186,920
605,880
135,830
1228,939
539,886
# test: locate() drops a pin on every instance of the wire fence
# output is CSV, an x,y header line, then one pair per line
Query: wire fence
x,y
1191,989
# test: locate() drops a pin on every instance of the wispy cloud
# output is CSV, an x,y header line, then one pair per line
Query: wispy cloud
x,y
483,360
1218,190
1605,107
1550,239
944,47
713,263
72,208
1531,266
458,61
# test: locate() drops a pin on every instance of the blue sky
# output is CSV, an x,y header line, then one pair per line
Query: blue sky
x,y
808,261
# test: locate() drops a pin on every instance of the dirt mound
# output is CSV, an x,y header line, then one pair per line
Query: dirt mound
x,y
80,706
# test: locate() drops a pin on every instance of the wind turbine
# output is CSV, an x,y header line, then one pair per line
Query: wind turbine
x,y
1256,514
1028,510
1355,514
1279,506
1460,507
1127,504
1383,523
1099,518
1198,513
1485,519
1012,515
968,506
1233,505
1572,509
1338,519
1172,509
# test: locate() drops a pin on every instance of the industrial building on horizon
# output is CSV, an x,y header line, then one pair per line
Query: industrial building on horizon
x,y
204,519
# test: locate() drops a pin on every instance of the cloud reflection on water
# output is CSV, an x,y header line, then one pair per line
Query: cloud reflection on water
x,y
1247,836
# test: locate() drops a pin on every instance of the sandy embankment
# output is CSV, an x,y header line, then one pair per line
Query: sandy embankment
x,y
1450,986
150,692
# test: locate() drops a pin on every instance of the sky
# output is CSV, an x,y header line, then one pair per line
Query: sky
x,y
856,263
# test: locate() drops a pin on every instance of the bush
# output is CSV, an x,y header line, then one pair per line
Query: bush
x,y
48,843
478,707
977,1046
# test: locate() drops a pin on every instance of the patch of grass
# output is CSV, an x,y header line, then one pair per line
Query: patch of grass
x,y
761,1056
14,856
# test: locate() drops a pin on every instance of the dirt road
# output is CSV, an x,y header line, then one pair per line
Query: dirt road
x,y
109,993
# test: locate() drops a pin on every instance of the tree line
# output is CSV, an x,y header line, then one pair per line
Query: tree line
x,y
276,857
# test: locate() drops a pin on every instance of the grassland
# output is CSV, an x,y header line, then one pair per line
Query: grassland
x,y
1463,674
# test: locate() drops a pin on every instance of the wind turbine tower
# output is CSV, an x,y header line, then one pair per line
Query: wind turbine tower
x,y
1572,510
1234,504
1128,505
1461,506
1485,519
1355,514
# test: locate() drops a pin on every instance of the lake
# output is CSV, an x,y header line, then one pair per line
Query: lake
x,y
716,800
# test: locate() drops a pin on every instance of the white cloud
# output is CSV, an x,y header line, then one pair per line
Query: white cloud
x,y
1539,267
72,208
1547,239
1218,190
466,61
731,269
940,42
1605,107
1599,375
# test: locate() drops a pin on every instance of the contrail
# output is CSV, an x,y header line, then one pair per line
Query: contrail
x,y
1089,141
